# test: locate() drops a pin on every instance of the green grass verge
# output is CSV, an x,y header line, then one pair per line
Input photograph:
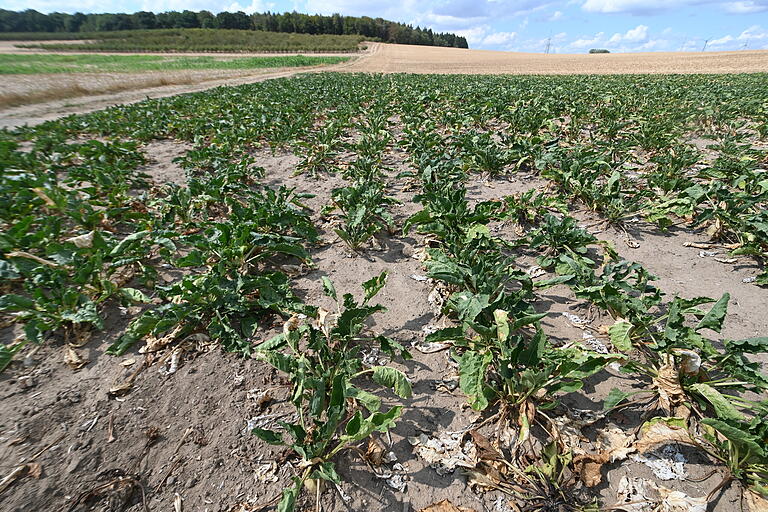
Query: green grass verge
x,y
83,63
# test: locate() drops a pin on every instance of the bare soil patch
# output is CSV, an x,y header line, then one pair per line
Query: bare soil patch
x,y
160,161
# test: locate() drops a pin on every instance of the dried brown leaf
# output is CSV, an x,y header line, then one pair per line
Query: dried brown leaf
x,y
671,393
690,361
445,506
591,473
697,245
35,470
125,386
375,451
589,467
632,244
42,195
616,443
82,241
154,344
291,324
660,433
485,451
73,359
23,254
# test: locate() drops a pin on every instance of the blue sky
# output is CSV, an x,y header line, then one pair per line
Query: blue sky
x,y
570,26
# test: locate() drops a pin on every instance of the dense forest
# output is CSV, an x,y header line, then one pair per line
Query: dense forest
x,y
290,22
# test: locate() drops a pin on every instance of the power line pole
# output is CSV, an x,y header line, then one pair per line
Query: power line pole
x,y
549,45
683,45
705,45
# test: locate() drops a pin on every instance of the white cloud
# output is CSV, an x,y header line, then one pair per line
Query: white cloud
x,y
474,35
499,38
746,7
653,44
654,6
556,16
441,20
632,6
638,34
256,6
755,32
588,42
721,41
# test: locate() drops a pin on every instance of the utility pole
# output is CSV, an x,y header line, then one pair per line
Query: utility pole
x,y
549,45
705,45
683,45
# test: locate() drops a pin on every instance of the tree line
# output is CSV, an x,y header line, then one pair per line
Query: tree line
x,y
290,22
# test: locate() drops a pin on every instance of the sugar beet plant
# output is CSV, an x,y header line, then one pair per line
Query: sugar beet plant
x,y
82,228
321,356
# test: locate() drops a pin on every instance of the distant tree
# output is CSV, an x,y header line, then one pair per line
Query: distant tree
x,y
188,19
206,19
144,20
233,20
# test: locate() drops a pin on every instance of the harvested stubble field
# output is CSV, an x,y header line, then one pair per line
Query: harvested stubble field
x,y
393,58
571,272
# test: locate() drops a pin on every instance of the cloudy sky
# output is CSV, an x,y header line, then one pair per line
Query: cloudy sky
x,y
570,26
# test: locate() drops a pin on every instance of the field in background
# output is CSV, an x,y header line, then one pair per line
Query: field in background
x,y
392,58
83,63
27,94
191,40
